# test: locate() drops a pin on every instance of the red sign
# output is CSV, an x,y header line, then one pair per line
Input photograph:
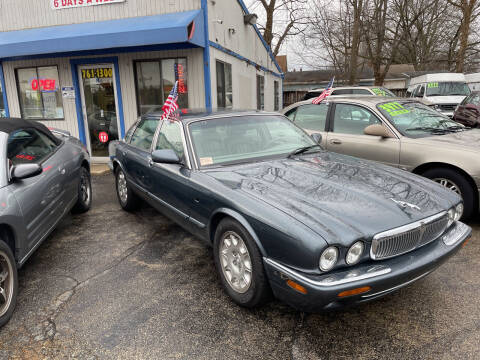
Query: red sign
x,y
103,137
65,4
43,84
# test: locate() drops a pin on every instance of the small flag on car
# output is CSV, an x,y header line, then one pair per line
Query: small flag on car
x,y
325,93
171,106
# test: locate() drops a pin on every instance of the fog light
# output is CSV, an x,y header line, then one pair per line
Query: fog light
x,y
329,258
354,253
451,216
459,211
355,291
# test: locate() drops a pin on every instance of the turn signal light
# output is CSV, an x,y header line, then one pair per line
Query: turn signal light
x,y
355,291
297,287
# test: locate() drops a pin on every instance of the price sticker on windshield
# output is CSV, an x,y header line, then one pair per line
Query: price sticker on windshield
x,y
432,85
379,92
394,108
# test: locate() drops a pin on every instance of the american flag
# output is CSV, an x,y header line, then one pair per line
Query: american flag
x,y
325,93
171,105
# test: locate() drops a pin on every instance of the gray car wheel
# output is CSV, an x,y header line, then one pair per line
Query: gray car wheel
x,y
8,283
126,197
84,201
240,265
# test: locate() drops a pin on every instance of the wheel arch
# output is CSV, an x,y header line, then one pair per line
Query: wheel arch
x,y
223,213
7,234
86,165
419,170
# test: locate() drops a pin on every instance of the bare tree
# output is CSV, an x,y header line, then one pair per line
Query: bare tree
x,y
283,18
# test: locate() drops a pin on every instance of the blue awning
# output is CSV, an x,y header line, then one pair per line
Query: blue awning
x,y
177,28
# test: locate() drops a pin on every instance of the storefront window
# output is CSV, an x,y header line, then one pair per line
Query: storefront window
x,y
260,92
224,85
154,81
3,113
39,93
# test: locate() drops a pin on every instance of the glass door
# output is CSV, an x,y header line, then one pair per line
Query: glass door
x,y
100,108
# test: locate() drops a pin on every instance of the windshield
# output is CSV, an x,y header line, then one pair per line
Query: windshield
x,y
447,89
246,138
415,120
381,91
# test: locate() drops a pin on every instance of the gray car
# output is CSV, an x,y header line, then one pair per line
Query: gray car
x,y
42,177
399,132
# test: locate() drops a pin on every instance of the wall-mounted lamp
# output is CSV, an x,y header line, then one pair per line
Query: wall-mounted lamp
x,y
250,19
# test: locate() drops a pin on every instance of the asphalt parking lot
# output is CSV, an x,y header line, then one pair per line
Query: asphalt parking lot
x,y
109,284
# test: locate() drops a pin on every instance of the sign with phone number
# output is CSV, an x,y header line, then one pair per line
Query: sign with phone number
x,y
97,73
66,4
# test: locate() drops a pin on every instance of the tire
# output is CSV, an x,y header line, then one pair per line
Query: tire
x,y
448,178
8,283
128,200
84,201
258,291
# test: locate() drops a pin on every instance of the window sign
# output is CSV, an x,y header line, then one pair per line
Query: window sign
x,y
39,93
66,4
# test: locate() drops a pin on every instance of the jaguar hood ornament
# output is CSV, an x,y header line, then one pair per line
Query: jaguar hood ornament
x,y
404,204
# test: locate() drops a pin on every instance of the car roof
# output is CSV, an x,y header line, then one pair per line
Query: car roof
x,y
9,125
193,115
350,87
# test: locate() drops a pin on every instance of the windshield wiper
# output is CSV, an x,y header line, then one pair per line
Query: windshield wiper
x,y
457,127
426,128
303,150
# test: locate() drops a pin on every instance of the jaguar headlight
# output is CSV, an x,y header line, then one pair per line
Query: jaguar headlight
x,y
328,259
354,253
459,211
451,216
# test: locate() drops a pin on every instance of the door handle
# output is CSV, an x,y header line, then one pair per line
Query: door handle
x,y
62,171
124,153
150,162
335,141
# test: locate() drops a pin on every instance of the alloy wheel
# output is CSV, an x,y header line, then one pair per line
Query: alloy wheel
x,y
122,187
235,262
85,189
449,184
6,283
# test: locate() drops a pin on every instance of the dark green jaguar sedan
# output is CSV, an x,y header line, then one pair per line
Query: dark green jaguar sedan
x,y
316,229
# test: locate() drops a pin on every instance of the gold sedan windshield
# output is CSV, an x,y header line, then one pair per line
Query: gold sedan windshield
x,y
416,120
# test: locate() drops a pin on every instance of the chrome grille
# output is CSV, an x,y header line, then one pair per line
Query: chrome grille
x,y
409,237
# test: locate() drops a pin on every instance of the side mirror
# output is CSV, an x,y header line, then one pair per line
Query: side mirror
x,y
166,156
317,137
24,171
377,130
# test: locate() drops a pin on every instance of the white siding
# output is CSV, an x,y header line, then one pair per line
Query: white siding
x,y
195,81
25,14
244,83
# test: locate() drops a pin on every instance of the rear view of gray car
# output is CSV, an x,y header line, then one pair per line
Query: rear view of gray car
x,y
43,175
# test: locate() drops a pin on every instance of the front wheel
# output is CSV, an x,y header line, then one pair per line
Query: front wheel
x,y
456,182
8,283
126,197
239,264
84,200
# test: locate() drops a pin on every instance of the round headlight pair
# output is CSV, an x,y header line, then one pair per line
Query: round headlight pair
x,y
455,214
329,256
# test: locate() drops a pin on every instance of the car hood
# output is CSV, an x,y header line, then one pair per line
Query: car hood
x,y
454,99
339,197
469,139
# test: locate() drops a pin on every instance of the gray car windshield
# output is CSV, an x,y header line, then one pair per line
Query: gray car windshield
x,y
416,120
447,89
246,138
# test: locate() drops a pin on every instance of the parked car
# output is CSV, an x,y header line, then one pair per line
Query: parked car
x,y
42,177
321,230
352,90
444,90
468,112
402,133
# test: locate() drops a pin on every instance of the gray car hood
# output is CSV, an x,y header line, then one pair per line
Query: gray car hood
x,y
469,139
339,197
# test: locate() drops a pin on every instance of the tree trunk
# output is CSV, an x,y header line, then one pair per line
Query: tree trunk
x,y
467,9
357,11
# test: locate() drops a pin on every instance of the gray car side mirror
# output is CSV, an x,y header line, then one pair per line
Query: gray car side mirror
x,y
317,137
166,156
377,130
24,171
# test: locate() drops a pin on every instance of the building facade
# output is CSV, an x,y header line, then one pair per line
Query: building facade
x,y
93,66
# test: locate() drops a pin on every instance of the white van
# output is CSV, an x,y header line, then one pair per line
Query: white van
x,y
444,90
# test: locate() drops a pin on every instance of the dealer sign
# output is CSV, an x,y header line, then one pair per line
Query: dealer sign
x,y
65,4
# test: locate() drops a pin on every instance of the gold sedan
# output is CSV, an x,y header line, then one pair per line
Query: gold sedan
x,y
399,132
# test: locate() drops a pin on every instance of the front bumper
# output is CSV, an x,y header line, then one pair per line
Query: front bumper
x,y
383,277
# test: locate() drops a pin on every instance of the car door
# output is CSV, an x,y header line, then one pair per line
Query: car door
x,y
346,135
136,155
311,118
42,198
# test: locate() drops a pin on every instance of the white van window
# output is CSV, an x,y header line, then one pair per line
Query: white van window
x,y
447,89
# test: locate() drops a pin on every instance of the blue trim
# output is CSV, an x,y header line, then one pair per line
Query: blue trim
x,y
74,63
122,50
4,91
136,31
269,50
238,56
206,60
